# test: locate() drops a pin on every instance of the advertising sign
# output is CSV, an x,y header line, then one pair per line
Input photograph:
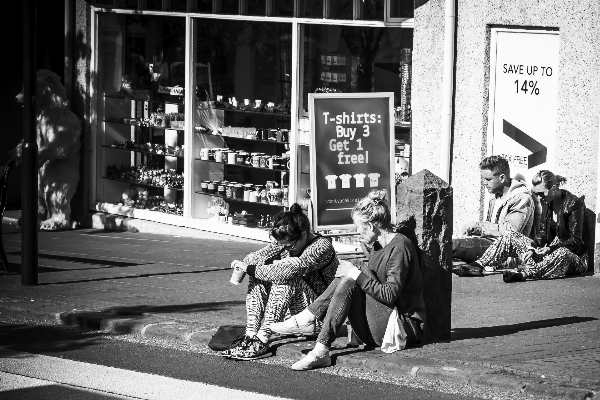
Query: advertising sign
x,y
523,98
352,153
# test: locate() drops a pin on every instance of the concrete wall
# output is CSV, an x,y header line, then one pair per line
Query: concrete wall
x,y
579,90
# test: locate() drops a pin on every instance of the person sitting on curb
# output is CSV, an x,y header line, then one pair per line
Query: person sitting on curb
x,y
382,300
512,207
560,249
285,275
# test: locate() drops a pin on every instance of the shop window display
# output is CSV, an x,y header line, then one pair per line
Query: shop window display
x,y
140,126
355,59
241,120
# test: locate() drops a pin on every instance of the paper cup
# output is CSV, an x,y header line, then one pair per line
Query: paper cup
x,y
238,274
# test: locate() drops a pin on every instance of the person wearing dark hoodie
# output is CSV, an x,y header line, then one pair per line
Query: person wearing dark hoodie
x,y
512,207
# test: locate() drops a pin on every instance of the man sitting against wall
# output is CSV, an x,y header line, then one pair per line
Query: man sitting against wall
x,y
511,207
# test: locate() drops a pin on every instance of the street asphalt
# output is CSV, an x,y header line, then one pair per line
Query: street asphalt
x,y
537,337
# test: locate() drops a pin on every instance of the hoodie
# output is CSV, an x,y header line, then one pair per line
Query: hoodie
x,y
518,211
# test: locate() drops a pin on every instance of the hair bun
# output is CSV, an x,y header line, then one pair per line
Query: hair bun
x,y
296,209
377,197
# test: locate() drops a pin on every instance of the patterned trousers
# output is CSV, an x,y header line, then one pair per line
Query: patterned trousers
x,y
268,302
557,264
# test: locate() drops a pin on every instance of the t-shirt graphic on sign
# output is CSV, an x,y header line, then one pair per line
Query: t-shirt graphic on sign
x,y
374,179
345,180
331,181
360,180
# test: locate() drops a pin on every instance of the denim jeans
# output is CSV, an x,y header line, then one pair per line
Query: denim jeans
x,y
344,298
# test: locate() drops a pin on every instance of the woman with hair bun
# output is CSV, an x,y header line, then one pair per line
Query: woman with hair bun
x,y
383,300
285,275
560,247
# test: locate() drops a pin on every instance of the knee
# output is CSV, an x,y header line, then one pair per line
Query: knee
x,y
346,283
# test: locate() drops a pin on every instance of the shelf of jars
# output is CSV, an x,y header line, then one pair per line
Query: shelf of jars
x,y
258,107
153,149
136,122
247,164
146,129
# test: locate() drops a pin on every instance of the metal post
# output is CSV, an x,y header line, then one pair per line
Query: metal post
x,y
29,191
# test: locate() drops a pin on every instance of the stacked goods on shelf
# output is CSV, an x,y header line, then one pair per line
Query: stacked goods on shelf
x,y
146,175
137,197
150,148
257,106
331,74
244,219
269,193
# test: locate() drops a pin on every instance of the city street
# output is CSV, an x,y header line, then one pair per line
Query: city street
x,y
38,362
153,301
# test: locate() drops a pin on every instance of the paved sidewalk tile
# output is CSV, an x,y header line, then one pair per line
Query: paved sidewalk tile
x,y
178,288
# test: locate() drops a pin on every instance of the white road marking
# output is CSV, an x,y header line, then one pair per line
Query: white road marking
x,y
109,380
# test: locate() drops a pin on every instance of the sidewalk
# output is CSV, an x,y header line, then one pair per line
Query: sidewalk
x,y
541,337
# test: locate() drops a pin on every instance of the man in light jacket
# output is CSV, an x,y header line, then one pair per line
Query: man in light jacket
x,y
511,207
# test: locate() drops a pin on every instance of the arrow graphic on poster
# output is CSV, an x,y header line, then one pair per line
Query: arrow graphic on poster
x,y
538,150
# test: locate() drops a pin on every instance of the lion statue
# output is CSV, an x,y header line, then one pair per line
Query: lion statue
x,y
58,140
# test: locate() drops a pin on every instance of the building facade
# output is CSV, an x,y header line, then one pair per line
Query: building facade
x,y
478,84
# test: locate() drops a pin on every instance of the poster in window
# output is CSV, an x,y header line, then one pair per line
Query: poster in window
x,y
351,153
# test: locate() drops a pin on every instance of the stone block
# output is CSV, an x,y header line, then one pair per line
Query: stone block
x,y
424,203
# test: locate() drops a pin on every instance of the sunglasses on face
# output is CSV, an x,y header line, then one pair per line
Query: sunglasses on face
x,y
543,194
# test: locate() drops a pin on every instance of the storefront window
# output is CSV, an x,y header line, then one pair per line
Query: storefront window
x,y
354,59
140,79
241,119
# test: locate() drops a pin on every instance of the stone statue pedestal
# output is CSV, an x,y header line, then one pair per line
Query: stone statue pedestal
x,y
424,203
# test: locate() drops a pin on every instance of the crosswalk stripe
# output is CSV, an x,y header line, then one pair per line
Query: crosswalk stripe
x,y
114,380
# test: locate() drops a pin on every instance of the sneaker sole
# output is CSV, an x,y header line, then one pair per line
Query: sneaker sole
x,y
241,358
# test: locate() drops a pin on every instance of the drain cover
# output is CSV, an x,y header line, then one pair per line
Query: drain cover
x,y
588,361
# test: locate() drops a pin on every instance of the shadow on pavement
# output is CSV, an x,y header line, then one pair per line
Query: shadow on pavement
x,y
44,339
502,330
83,260
135,276
55,392
174,308
15,269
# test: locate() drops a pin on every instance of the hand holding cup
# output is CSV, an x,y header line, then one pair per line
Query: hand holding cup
x,y
239,271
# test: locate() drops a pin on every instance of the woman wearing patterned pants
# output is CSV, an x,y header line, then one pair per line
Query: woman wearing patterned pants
x,y
286,275
556,264
560,249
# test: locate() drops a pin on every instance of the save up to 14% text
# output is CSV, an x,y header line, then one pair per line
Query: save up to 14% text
x,y
527,86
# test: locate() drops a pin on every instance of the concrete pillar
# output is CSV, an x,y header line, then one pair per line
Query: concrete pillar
x,y
424,202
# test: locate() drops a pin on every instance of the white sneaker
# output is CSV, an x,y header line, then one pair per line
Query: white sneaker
x,y
312,361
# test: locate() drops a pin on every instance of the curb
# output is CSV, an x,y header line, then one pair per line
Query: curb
x,y
150,326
